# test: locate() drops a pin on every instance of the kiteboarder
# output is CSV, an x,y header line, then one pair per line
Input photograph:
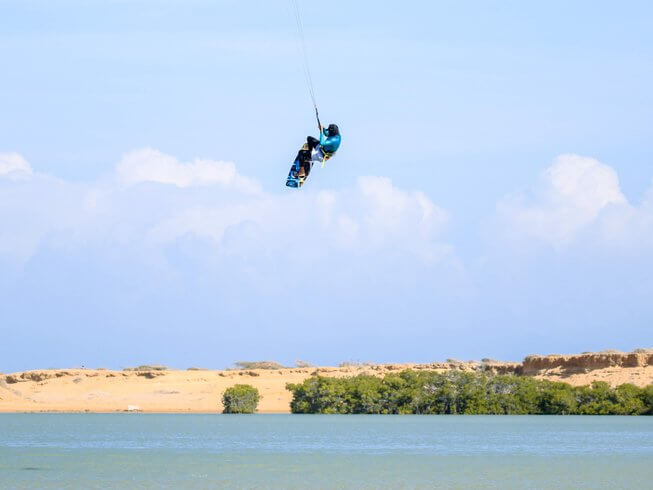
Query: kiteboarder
x,y
314,150
318,150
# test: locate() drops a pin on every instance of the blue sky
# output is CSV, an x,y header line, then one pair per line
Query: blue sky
x,y
493,196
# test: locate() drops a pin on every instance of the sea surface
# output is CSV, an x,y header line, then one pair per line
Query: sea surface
x,y
324,451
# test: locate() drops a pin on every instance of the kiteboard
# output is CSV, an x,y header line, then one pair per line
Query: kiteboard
x,y
294,179
298,175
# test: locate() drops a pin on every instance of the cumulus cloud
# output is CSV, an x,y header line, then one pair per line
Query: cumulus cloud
x,y
148,165
373,215
572,195
576,198
13,166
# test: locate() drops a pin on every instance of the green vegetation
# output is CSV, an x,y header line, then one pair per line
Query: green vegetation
x,y
240,399
413,392
147,367
346,364
258,365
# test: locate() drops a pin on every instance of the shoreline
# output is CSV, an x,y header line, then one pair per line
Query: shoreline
x,y
160,390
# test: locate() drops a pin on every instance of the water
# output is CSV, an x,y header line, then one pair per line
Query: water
x,y
321,451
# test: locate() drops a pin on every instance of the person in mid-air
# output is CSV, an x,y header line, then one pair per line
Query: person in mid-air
x,y
318,150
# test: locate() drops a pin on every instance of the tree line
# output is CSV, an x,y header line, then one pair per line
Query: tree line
x,y
424,392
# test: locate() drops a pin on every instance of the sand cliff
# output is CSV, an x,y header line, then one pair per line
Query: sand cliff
x,y
152,390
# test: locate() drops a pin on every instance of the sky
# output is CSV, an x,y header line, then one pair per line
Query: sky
x,y
492,197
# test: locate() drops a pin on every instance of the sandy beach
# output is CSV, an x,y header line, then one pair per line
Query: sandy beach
x,y
195,391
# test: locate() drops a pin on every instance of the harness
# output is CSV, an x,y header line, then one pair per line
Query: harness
x,y
327,155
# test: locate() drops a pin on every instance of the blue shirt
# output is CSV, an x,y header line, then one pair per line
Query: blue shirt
x,y
329,144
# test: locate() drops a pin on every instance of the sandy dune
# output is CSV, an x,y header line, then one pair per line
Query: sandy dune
x,y
156,391
200,390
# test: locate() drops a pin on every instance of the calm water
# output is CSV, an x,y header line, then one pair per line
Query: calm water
x,y
285,451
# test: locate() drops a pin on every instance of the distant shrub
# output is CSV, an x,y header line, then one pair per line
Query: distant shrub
x,y
196,369
488,360
345,364
240,399
153,367
643,351
303,364
258,365
147,367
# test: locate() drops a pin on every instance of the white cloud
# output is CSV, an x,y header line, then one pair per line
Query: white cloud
x,y
577,200
148,165
371,216
33,206
571,195
13,166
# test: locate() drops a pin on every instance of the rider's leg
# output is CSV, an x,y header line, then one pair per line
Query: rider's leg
x,y
312,142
